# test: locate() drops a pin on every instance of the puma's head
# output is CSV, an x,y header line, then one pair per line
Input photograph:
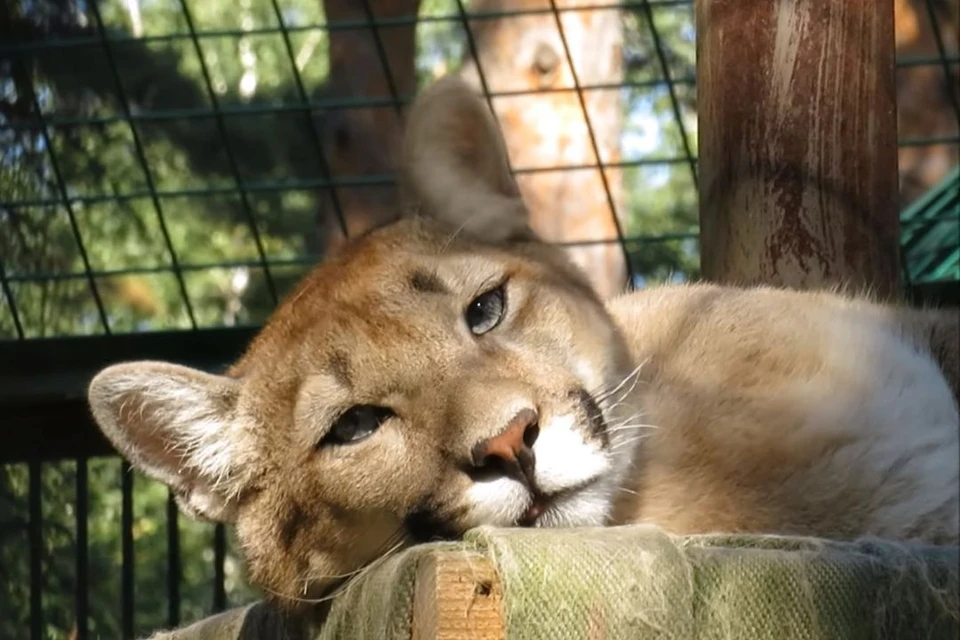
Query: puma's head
x,y
446,371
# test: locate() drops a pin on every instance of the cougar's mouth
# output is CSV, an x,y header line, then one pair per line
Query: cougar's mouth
x,y
534,511
426,525
541,503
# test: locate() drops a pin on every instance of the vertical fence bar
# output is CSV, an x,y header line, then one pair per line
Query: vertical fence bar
x,y
315,137
382,55
64,194
11,302
36,549
475,55
219,577
173,562
798,147
951,87
141,155
126,542
614,213
82,550
238,180
671,89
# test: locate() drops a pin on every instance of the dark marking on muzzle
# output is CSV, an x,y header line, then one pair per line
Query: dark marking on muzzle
x,y
295,522
426,525
596,424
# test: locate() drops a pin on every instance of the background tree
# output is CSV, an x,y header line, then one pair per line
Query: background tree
x,y
519,55
375,65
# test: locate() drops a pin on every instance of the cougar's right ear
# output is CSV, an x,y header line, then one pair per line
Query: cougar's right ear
x,y
454,165
179,426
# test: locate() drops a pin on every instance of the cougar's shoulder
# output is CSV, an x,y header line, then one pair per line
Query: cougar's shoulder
x,y
768,403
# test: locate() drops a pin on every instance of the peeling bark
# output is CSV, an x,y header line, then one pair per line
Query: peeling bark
x,y
798,150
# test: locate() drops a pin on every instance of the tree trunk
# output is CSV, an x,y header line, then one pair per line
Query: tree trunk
x,y
798,147
364,142
547,132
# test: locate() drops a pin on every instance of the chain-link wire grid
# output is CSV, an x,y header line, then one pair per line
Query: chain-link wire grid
x,y
43,175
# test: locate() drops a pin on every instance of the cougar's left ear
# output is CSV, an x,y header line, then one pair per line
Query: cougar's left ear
x,y
454,165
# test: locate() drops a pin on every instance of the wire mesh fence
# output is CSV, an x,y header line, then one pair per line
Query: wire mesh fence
x,y
172,164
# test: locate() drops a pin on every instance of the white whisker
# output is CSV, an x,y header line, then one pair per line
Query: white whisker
x,y
633,427
629,442
635,375
453,235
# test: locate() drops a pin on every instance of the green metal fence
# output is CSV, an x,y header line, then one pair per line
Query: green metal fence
x,y
165,167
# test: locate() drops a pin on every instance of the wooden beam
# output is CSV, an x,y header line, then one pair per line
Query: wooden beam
x,y
43,382
458,597
797,143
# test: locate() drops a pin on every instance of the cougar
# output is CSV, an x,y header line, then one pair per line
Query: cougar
x,y
450,370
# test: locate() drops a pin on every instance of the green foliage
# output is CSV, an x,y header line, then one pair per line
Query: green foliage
x,y
131,239
661,198
59,583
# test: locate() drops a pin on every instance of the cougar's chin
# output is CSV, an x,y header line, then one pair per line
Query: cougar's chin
x,y
508,503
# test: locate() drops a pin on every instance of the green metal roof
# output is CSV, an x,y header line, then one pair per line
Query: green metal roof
x,y
930,234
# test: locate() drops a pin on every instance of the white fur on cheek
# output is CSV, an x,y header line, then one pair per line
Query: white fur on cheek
x,y
498,502
587,508
564,459
587,373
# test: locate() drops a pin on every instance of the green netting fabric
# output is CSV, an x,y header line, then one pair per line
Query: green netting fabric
x,y
637,582
380,603
253,621
377,605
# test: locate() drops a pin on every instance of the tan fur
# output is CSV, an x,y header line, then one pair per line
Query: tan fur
x,y
722,409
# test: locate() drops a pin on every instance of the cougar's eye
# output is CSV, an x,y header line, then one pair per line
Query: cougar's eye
x,y
356,423
486,311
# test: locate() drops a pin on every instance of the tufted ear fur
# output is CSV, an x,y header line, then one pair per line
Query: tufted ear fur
x,y
179,426
455,166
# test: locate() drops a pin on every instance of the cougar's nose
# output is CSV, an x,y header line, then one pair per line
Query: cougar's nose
x,y
510,452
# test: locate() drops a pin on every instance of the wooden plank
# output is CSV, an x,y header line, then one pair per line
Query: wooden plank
x,y
43,406
458,597
797,142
